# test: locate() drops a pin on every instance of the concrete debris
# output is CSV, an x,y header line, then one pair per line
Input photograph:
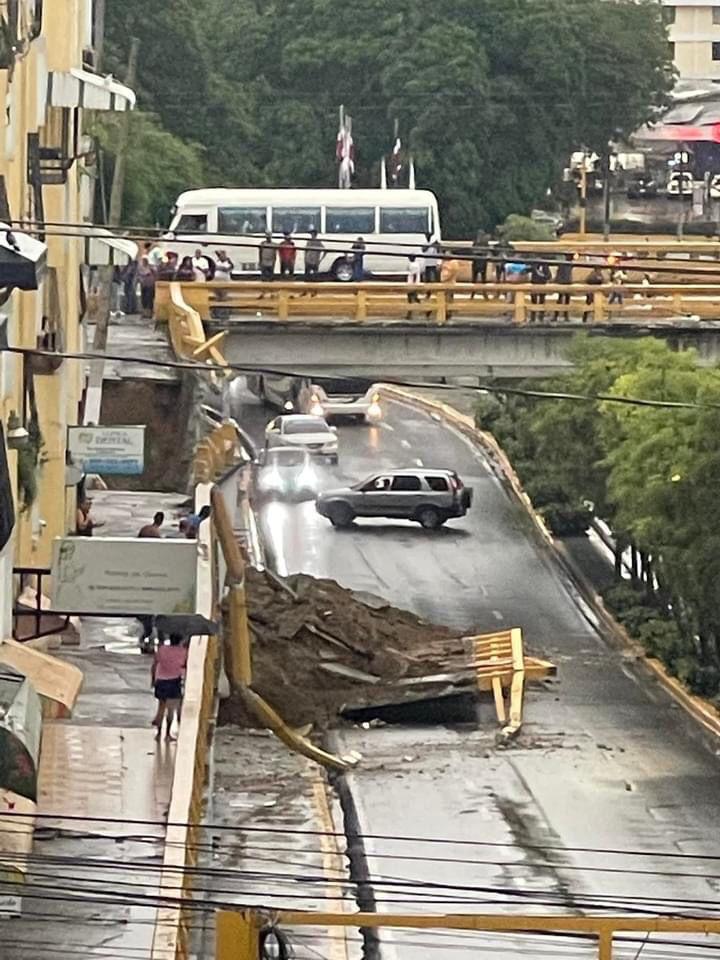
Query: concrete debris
x,y
318,647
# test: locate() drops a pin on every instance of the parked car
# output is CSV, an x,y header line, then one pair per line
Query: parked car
x,y
642,188
680,185
297,430
714,189
429,497
287,473
354,404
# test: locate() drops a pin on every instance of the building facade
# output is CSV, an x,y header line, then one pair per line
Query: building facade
x,y
694,33
47,88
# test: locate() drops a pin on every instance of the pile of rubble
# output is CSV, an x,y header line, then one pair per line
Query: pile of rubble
x,y
318,648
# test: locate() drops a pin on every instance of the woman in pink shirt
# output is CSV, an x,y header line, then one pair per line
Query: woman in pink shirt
x,y
168,672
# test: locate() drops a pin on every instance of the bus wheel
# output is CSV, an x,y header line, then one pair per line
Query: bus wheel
x,y
342,271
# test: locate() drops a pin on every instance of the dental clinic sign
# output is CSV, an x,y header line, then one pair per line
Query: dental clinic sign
x,y
108,449
117,575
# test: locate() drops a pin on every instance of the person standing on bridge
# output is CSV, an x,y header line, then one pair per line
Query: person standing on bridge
x,y
287,251
539,274
563,275
358,259
479,262
414,279
314,252
431,257
595,279
267,254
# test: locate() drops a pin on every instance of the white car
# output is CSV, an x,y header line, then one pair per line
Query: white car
x,y
317,402
680,185
287,473
299,430
715,187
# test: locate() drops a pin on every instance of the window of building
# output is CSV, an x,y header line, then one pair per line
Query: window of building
x,y
671,49
406,483
295,219
668,15
716,50
358,220
242,220
716,15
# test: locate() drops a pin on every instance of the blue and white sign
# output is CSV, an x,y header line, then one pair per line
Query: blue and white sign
x,y
110,450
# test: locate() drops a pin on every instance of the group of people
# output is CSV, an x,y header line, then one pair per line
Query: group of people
x,y
284,253
153,265
430,266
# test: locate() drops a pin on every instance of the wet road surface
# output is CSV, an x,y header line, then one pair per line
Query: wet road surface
x,y
604,762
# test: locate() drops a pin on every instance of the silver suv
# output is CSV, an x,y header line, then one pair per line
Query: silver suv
x,y
428,496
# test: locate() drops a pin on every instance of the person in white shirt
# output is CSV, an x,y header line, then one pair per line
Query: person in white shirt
x,y
431,256
223,267
416,266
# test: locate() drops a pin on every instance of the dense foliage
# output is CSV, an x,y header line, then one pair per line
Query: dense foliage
x,y
650,472
491,94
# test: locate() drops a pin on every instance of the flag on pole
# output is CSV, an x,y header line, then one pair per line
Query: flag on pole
x,y
345,151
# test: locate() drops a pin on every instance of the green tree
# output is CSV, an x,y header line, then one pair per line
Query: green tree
x,y
159,166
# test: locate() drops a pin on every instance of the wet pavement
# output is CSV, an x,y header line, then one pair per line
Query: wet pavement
x,y
91,879
605,763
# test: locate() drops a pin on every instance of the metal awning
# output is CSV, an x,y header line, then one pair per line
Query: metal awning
x,y
22,259
108,250
80,88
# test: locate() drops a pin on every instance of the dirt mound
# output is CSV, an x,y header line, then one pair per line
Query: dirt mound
x,y
318,647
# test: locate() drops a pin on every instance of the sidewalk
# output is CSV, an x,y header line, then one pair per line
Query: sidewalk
x,y
104,762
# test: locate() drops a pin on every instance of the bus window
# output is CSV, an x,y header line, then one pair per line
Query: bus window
x,y
295,219
192,223
242,220
358,220
404,220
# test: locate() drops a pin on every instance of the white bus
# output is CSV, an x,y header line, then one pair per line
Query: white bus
x,y
389,221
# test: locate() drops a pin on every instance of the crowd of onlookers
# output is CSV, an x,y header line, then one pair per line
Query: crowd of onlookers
x,y
490,262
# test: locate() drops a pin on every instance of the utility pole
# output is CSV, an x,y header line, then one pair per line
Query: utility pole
x,y
118,183
606,196
116,196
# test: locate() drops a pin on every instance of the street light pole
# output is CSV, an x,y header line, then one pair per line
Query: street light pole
x,y
606,196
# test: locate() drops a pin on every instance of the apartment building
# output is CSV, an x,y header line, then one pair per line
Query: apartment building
x,y
47,87
694,33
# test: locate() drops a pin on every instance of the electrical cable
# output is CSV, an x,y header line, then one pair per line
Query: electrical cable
x,y
489,254
391,381
400,838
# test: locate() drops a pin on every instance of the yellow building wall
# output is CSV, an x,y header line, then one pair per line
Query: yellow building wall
x,y
59,48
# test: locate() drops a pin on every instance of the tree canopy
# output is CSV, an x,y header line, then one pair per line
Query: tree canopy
x,y
491,95
650,472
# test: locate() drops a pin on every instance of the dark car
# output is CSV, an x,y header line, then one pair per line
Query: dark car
x,y
430,497
642,188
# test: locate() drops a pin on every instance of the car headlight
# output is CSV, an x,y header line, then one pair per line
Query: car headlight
x,y
316,409
271,481
374,411
305,479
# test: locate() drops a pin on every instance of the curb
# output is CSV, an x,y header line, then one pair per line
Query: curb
x,y
698,709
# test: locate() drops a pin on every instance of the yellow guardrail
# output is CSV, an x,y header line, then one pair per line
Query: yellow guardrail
x,y
171,933
237,934
187,305
186,331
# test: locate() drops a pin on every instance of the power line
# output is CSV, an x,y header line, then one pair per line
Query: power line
x,y
392,381
399,838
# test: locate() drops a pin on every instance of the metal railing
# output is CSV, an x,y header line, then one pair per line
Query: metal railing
x,y
172,926
185,305
238,933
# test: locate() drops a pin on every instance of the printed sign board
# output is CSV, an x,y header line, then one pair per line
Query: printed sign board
x,y
108,449
119,575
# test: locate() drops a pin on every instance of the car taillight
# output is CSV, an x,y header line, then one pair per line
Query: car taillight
x,y
456,483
